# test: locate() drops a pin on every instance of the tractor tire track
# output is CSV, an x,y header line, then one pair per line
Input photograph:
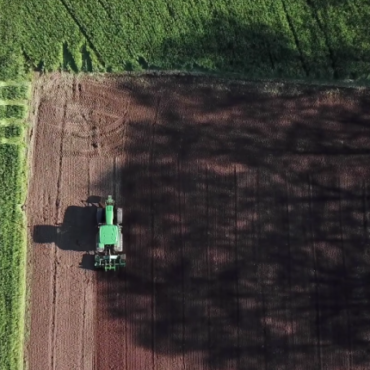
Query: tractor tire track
x,y
260,270
181,211
208,262
345,271
290,316
153,236
236,256
57,221
315,273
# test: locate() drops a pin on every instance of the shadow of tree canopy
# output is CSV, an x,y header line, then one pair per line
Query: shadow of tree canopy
x,y
246,225
305,49
227,45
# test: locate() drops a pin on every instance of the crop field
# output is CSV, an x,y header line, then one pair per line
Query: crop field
x,y
326,39
14,95
13,108
246,225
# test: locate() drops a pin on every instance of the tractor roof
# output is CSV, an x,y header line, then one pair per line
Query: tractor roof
x,y
108,234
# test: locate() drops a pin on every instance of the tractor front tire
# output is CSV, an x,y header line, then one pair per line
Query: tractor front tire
x,y
119,216
119,247
99,250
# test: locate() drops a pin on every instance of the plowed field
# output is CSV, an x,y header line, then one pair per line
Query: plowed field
x,y
246,223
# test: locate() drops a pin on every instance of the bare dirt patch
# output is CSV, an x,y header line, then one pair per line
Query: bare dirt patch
x,y
246,217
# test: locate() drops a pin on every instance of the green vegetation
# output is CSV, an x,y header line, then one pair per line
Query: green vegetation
x,y
10,111
12,256
268,38
11,131
15,92
12,226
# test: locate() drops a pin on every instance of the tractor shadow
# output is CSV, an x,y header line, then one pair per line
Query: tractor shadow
x,y
76,233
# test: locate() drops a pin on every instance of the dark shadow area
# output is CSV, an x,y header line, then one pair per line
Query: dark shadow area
x,y
86,60
94,200
76,233
246,226
87,262
69,63
226,43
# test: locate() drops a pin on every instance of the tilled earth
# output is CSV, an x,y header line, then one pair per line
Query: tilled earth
x,y
246,224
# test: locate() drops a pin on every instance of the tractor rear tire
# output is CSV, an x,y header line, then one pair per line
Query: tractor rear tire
x,y
119,247
99,250
119,216
99,215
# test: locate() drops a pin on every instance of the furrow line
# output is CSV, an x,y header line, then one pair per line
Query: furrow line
x,y
57,221
180,193
152,227
348,315
236,264
366,210
208,258
287,192
259,262
126,324
182,266
116,186
313,250
83,328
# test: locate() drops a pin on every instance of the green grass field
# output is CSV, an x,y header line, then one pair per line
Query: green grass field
x,y
12,226
14,93
315,39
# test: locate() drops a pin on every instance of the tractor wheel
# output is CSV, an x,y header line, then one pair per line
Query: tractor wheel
x,y
119,216
99,250
119,247
99,215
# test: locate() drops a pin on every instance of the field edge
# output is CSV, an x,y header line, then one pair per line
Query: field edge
x,y
28,163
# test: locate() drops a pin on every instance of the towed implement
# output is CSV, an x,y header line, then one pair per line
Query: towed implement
x,y
109,240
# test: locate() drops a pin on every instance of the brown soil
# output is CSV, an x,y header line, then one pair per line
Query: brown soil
x,y
246,222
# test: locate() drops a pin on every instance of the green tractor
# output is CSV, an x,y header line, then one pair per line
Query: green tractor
x,y
109,241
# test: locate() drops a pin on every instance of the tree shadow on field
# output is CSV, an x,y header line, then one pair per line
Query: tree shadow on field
x,y
232,43
76,233
247,226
